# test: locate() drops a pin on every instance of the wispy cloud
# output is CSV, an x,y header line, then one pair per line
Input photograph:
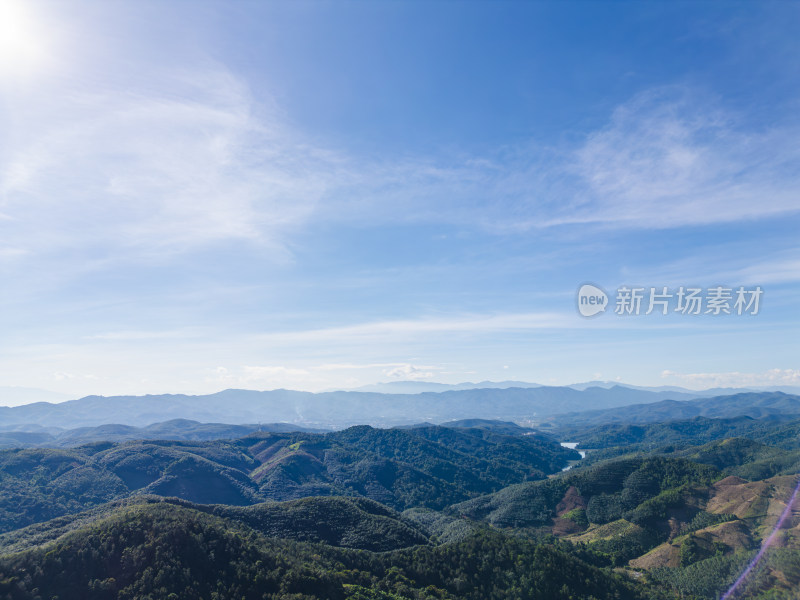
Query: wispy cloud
x,y
410,372
672,157
137,172
317,376
772,377
146,172
723,264
418,328
669,157
146,336
364,366
778,270
259,373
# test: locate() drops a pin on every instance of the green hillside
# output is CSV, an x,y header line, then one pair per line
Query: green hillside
x,y
407,513
163,550
429,467
694,431
344,522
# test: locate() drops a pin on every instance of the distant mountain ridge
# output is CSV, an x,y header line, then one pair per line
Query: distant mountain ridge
x,y
751,404
329,410
20,436
418,387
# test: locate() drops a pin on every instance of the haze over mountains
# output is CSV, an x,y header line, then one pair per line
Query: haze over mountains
x,y
417,387
330,409
34,436
748,404
17,396
334,410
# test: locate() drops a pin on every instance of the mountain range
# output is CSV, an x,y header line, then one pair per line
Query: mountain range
x,y
401,468
475,510
748,404
329,410
28,436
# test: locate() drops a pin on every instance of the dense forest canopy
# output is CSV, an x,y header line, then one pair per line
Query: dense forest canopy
x,y
674,509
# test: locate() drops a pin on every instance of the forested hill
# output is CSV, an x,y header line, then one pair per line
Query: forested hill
x,y
163,550
428,466
686,432
21,436
475,510
354,522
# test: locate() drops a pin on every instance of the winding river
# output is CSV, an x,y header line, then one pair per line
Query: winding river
x,y
571,446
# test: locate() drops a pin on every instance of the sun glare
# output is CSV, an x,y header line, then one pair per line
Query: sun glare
x,y
22,47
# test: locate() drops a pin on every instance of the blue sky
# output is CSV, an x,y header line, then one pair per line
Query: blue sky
x,y
198,195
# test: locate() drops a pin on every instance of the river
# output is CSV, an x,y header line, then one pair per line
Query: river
x,y
571,446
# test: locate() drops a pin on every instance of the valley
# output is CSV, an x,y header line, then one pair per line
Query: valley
x,y
474,508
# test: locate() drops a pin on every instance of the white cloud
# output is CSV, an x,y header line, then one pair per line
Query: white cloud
x,y
145,172
772,377
130,336
269,376
262,373
409,372
427,330
9,253
62,376
316,377
778,270
354,366
669,158
417,328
